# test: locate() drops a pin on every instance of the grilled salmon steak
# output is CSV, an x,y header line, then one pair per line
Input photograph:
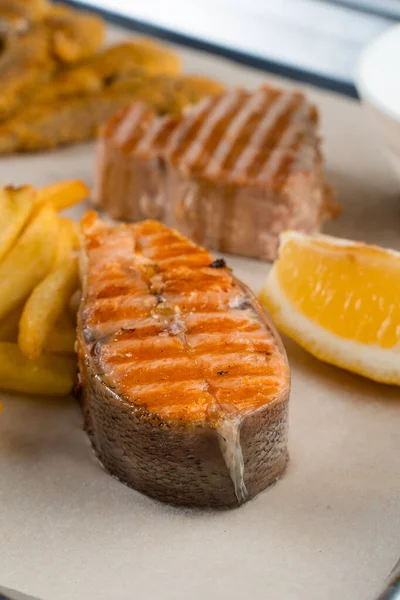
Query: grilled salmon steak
x,y
184,381
231,173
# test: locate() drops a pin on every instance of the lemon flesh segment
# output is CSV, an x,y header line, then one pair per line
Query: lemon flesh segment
x,y
340,300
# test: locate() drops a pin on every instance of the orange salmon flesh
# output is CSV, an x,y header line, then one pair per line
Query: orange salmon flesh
x,y
171,330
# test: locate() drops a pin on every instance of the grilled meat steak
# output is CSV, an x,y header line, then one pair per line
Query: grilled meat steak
x,y
231,173
184,382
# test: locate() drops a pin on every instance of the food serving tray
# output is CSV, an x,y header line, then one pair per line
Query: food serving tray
x,y
329,530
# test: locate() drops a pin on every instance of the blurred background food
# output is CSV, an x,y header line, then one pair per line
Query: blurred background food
x,y
16,16
51,38
73,107
59,84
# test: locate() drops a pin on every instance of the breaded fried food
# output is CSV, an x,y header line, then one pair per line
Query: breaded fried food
x,y
74,35
58,87
189,89
64,121
24,64
133,60
133,55
168,94
72,119
29,60
17,15
76,81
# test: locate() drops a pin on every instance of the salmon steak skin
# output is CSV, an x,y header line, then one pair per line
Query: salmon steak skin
x,y
184,382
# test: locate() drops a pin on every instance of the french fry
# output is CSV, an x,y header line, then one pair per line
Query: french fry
x,y
62,195
68,241
38,268
51,374
15,208
29,260
9,325
44,306
73,228
65,243
62,337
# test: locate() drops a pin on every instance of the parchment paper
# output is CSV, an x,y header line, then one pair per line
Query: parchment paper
x,y
329,530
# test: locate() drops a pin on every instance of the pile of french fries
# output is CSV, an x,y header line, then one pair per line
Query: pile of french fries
x,y
38,284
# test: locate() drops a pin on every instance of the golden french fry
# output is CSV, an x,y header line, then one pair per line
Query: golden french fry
x,y
29,260
74,230
46,303
51,374
15,207
9,325
62,194
65,243
62,337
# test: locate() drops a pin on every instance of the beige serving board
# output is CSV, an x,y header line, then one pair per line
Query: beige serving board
x,y
329,530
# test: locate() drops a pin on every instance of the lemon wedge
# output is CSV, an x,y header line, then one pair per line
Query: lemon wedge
x,y
340,300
